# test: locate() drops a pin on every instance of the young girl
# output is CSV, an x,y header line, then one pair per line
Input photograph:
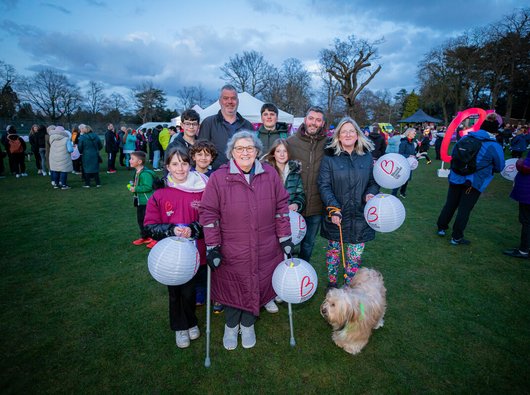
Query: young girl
x,y
289,171
173,211
129,145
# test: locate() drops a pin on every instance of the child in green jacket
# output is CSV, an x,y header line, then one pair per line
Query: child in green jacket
x,y
142,189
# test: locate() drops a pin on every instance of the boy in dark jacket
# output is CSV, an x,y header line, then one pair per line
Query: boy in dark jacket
x,y
142,189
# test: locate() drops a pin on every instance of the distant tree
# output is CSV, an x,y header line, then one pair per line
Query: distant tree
x,y
187,96
296,82
50,92
248,72
412,104
25,111
148,101
329,97
348,62
8,97
95,99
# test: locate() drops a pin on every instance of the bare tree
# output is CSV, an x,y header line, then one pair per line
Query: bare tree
x,y
149,101
8,97
347,62
248,72
329,97
187,96
49,92
95,98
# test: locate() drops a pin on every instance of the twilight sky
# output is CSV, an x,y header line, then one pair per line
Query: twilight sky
x,y
122,43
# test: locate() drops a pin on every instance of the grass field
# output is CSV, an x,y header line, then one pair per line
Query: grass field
x,y
81,314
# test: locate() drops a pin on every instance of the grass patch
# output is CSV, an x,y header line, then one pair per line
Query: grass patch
x,y
80,312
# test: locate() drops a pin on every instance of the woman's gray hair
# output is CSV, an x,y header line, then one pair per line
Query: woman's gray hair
x,y
244,134
362,145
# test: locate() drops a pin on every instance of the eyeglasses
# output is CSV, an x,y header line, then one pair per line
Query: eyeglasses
x,y
345,132
191,124
250,149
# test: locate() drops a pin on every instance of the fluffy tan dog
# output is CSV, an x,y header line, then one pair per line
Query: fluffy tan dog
x,y
355,310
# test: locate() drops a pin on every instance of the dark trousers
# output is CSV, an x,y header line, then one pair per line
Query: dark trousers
x,y
306,246
77,163
463,198
524,219
140,216
88,176
17,163
122,157
403,189
38,162
111,161
235,316
182,306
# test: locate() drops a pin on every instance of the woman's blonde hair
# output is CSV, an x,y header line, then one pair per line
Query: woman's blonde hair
x,y
362,145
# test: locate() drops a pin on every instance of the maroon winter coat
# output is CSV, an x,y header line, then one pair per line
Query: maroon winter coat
x,y
246,220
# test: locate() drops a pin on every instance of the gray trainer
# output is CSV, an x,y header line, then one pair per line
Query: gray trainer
x,y
248,336
194,332
230,337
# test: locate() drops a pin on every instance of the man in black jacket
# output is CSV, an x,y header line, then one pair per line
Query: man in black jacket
x,y
111,148
220,127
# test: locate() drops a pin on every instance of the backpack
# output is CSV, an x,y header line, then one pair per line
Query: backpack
x,y
15,146
464,159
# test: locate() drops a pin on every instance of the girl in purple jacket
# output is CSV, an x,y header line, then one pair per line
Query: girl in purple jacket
x,y
173,211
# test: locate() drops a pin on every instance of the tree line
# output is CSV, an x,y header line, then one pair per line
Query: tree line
x,y
487,67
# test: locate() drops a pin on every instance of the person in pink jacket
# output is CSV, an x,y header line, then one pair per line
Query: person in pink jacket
x,y
173,211
245,217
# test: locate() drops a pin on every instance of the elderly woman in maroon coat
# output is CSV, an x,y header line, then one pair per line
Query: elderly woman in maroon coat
x,y
245,215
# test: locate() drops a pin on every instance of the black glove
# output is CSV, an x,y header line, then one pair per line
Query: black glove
x,y
287,246
213,257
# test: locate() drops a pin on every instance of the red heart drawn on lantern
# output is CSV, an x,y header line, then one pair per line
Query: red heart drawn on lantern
x,y
372,214
306,286
509,169
386,165
301,223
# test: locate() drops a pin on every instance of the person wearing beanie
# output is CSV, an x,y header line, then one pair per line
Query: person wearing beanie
x,y
15,147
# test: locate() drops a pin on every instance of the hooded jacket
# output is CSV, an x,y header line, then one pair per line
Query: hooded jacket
x,y
60,158
268,137
245,219
89,146
344,182
490,159
309,151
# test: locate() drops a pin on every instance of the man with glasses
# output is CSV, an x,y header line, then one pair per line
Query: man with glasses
x,y
189,121
220,127
307,146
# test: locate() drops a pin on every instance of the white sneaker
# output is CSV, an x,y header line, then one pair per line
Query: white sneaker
x,y
44,174
183,339
277,299
271,307
18,176
194,332
248,336
230,337
39,171
24,174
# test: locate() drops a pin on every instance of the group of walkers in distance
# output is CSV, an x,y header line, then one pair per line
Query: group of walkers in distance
x,y
230,188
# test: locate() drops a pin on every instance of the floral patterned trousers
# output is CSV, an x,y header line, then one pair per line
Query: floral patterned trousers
x,y
353,260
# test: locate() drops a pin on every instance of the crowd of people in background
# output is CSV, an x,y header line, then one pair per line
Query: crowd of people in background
x,y
230,188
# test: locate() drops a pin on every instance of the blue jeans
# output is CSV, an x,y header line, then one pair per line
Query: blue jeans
x,y
59,177
313,226
42,153
156,159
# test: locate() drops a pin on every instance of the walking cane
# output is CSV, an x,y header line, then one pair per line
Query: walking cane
x,y
292,342
207,362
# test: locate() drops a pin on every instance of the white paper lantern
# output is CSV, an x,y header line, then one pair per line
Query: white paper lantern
x,y
413,163
173,261
294,280
298,227
510,171
391,171
384,213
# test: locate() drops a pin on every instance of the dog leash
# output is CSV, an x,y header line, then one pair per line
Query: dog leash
x,y
334,210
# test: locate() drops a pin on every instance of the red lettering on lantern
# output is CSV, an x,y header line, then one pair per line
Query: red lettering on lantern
x,y
372,214
306,286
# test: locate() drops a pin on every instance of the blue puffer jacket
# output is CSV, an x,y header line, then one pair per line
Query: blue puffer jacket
x,y
490,159
519,143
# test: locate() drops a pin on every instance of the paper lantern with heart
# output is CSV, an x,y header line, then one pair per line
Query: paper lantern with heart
x,y
173,261
391,171
510,171
298,227
294,280
384,213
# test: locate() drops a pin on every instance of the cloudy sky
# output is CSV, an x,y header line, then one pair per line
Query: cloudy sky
x,y
173,43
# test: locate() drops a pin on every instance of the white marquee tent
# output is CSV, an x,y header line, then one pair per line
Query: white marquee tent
x,y
249,108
